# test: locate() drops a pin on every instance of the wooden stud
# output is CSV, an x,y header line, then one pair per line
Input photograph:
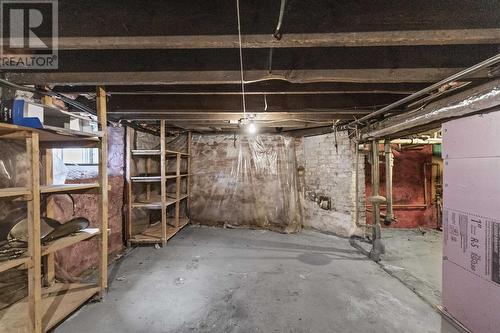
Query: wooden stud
x,y
148,172
47,155
34,244
103,181
188,185
129,198
177,188
163,170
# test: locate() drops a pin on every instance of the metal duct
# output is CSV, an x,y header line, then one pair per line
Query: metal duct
x,y
481,98
460,75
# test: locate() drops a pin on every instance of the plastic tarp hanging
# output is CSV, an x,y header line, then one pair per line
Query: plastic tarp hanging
x,y
245,181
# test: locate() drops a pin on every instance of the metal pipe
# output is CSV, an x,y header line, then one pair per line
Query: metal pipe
x,y
409,206
462,74
481,98
426,194
429,141
426,189
356,182
377,245
398,207
389,163
375,180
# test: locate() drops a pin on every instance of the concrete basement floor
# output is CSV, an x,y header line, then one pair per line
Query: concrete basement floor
x,y
227,280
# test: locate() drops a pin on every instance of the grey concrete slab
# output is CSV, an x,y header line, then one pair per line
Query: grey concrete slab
x,y
415,257
226,280
418,251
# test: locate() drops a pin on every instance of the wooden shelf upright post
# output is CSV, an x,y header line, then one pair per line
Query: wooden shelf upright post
x,y
177,188
34,244
188,181
163,186
103,197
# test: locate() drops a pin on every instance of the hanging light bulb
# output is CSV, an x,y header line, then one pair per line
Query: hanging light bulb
x,y
252,129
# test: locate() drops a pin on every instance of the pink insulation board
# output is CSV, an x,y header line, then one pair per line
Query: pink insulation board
x,y
474,136
471,221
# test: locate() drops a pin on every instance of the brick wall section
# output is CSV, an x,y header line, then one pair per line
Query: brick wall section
x,y
331,173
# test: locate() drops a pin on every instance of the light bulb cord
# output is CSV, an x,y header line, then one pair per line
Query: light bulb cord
x,y
241,61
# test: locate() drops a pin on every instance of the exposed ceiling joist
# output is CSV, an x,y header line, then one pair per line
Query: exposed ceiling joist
x,y
375,75
342,39
259,88
210,115
270,93
270,103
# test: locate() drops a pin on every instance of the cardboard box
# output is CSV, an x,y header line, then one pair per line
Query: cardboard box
x,y
34,115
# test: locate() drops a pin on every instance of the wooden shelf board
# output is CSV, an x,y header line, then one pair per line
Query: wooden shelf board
x,y
152,235
173,196
173,152
145,179
146,152
149,179
152,205
183,222
51,134
8,129
156,152
61,134
61,243
56,306
14,192
8,264
68,187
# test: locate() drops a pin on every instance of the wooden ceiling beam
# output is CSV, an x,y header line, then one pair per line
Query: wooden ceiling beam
x,y
374,75
340,39
203,116
264,88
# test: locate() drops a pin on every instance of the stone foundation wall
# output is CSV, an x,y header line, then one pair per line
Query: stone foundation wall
x,y
327,183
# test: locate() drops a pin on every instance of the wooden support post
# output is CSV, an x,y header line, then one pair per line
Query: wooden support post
x,y
177,188
378,246
49,259
163,186
149,161
34,244
389,164
188,181
47,155
128,161
103,181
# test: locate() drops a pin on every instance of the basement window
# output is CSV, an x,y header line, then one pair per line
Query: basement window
x,y
78,156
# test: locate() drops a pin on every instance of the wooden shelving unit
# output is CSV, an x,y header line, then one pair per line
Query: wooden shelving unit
x,y
48,304
160,231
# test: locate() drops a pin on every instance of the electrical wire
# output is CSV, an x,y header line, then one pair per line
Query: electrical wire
x,y
241,60
296,120
277,33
